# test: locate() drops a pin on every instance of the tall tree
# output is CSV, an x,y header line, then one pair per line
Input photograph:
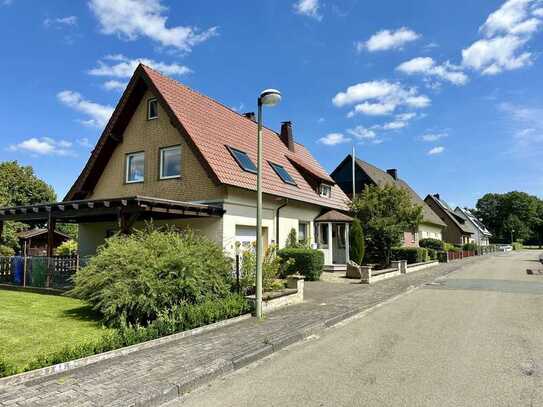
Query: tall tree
x,y
385,214
20,186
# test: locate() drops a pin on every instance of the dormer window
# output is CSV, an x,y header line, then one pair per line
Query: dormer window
x,y
325,190
152,109
242,159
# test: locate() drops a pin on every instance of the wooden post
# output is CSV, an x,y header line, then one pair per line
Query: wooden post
x,y
24,264
51,223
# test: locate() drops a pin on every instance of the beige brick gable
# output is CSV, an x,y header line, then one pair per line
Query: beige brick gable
x,y
150,136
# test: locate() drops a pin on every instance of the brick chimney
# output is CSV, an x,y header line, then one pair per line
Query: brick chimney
x,y
286,135
250,116
437,197
393,172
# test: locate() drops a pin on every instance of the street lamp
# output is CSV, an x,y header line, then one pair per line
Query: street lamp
x,y
268,97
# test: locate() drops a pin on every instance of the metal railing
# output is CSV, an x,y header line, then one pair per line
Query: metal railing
x,y
39,271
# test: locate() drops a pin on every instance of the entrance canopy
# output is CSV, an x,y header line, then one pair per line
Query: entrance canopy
x,y
124,210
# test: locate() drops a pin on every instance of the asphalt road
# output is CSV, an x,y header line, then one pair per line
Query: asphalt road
x,y
474,338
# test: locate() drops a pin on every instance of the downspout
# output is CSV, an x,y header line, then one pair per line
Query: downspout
x,y
285,203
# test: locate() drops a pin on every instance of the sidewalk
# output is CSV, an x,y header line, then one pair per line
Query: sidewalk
x,y
159,374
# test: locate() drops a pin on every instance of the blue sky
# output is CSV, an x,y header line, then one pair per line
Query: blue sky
x,y
447,92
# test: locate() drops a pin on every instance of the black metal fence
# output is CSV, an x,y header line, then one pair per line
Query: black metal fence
x,y
39,271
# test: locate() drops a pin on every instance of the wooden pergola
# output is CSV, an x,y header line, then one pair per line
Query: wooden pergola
x,y
123,210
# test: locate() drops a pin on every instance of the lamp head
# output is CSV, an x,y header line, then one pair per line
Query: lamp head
x,y
269,97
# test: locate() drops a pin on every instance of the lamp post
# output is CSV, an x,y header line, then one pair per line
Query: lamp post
x,y
268,97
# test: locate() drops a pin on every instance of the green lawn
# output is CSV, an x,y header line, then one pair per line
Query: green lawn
x,y
31,324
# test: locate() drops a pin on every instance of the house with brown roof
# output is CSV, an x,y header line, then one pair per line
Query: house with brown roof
x,y
458,231
367,174
174,155
33,242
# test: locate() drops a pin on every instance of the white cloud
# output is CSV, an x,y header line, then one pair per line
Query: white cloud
x,y
538,12
495,55
506,31
60,22
309,8
431,137
44,146
436,150
114,85
361,133
426,66
123,67
98,114
84,142
333,139
386,40
379,98
131,19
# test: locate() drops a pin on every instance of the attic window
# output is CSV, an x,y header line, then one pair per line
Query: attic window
x,y
152,109
325,190
242,159
283,174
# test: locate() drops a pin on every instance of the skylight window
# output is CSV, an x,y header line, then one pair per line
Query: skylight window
x,y
283,174
242,159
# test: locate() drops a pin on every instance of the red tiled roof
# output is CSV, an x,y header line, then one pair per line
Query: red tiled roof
x,y
212,126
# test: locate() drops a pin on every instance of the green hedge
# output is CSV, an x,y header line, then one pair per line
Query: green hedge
x,y
432,253
441,256
411,254
180,318
470,247
430,243
517,246
307,262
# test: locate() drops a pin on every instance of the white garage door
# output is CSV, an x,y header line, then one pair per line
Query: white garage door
x,y
245,234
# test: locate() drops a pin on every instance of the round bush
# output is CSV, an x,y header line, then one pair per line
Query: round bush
x,y
430,243
307,262
134,278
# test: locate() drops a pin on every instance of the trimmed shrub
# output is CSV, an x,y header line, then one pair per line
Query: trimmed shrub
x,y
470,247
411,254
517,246
430,243
441,257
307,262
432,253
357,246
133,278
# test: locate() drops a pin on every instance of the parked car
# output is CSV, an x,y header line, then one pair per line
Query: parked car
x,y
504,247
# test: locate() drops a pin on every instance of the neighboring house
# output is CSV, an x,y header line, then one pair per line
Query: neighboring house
x,y
33,242
482,235
458,231
176,156
367,174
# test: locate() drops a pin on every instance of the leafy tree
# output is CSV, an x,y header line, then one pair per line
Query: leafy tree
x,y
20,186
385,214
67,248
357,246
516,212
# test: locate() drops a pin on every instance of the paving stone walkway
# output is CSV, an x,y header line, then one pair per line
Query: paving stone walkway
x,y
156,375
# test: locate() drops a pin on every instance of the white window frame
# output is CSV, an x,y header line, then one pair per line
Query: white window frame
x,y
127,169
161,159
325,190
149,101
306,225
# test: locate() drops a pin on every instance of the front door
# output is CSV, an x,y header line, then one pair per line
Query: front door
x,y
339,255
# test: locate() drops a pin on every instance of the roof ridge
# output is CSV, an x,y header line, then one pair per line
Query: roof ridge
x,y
209,98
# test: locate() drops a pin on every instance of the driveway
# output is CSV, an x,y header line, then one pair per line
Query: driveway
x,y
472,338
